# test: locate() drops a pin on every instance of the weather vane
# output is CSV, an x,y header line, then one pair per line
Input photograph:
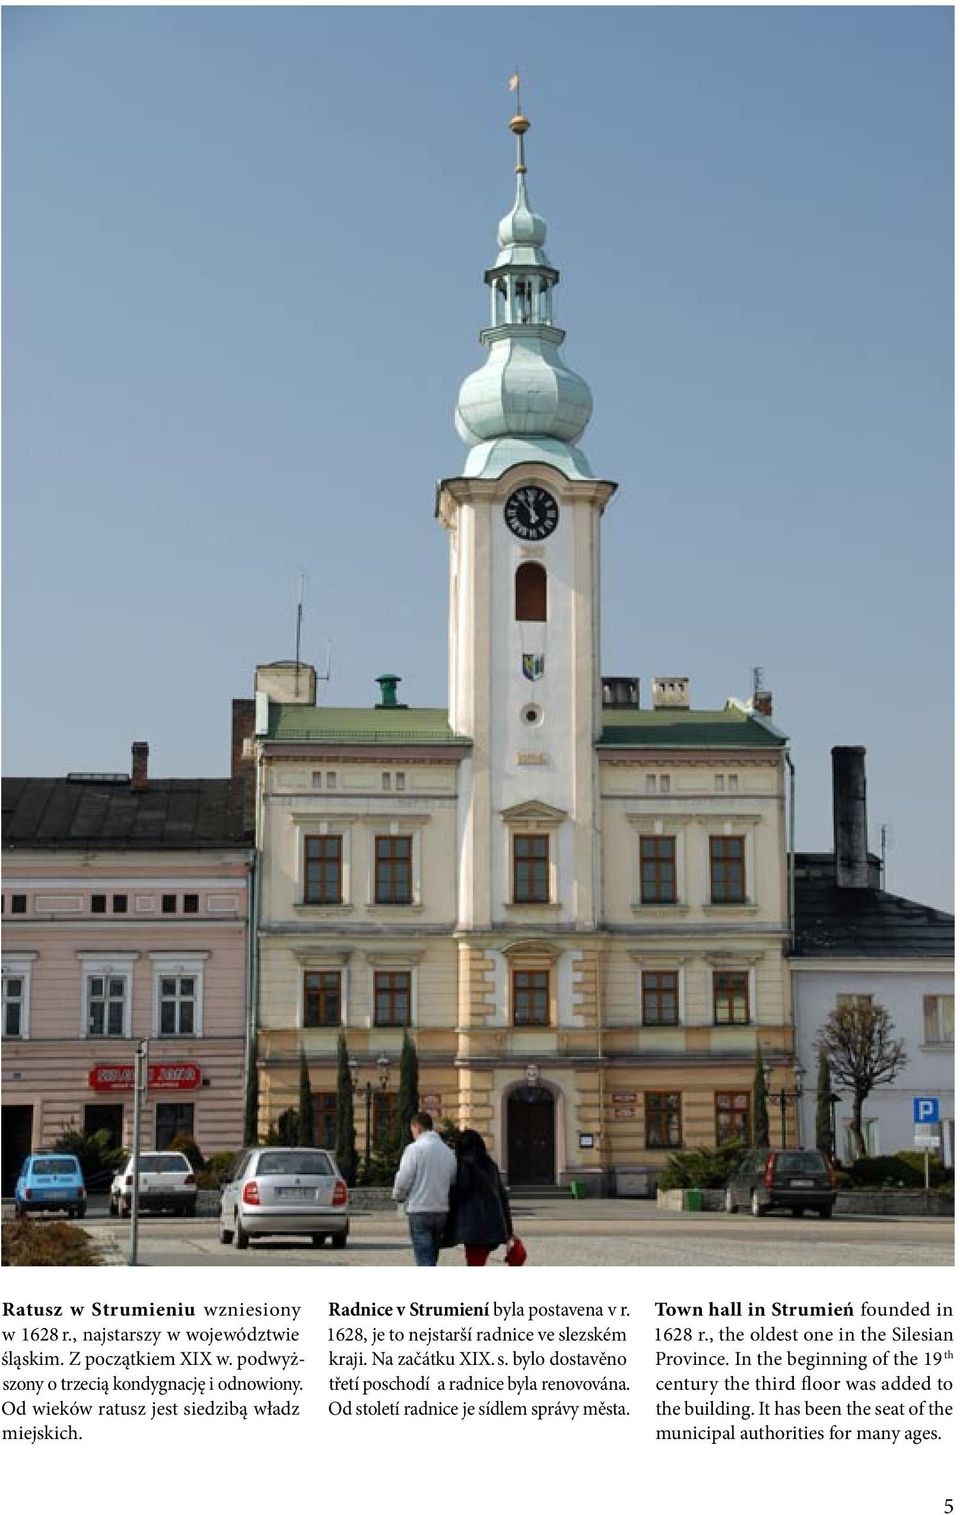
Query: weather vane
x,y
519,125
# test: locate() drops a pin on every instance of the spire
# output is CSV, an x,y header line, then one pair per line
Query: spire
x,y
524,403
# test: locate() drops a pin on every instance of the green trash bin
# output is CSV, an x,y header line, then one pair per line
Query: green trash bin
x,y
578,1189
693,1199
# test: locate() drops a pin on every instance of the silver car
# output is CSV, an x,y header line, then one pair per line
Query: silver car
x,y
284,1191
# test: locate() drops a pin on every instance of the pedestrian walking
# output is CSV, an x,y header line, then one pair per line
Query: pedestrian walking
x,y
422,1185
480,1210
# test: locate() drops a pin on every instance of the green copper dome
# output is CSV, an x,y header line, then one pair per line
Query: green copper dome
x,y
524,403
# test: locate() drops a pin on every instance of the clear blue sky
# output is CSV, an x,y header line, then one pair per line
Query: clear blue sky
x,y
242,283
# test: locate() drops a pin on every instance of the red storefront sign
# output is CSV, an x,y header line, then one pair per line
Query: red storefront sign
x,y
107,1078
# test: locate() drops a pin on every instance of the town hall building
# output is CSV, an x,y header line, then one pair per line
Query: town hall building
x,y
573,893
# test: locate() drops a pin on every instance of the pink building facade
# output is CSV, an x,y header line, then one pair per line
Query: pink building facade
x,y
126,918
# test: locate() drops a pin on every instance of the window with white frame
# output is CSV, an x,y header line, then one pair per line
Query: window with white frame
x,y
16,998
107,996
177,994
938,1020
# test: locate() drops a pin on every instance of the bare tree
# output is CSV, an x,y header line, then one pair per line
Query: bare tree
x,y
861,1052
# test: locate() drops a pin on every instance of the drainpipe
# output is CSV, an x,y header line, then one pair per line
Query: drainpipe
x,y
791,914
254,945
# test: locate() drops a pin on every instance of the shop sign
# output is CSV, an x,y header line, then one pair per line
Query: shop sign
x,y
624,1096
433,1104
624,1112
107,1078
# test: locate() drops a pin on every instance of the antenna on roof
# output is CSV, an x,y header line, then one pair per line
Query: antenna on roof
x,y
296,677
757,672
886,845
324,677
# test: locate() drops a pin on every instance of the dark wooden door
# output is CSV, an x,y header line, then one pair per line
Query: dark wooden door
x,y
17,1133
531,1149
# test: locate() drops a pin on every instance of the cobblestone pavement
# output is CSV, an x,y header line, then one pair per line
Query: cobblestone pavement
x,y
565,1233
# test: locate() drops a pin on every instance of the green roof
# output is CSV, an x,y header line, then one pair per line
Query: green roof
x,y
393,727
688,728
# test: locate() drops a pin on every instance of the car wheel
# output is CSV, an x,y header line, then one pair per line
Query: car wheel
x,y
756,1208
339,1240
226,1236
826,1212
19,1211
318,1238
796,1211
190,1208
113,1207
728,1203
124,1210
240,1238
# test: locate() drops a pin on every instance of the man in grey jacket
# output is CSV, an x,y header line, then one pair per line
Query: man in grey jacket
x,y
422,1185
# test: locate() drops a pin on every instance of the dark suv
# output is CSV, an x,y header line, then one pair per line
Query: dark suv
x,y
767,1180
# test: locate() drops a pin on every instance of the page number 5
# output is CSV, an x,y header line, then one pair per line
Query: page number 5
x,y
948,1507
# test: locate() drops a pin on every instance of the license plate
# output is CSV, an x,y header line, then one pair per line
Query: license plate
x,y
56,1194
295,1193
801,1183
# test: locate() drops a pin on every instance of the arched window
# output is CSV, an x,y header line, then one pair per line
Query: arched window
x,y
531,592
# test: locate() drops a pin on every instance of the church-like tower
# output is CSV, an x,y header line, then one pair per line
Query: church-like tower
x,y
524,633
524,523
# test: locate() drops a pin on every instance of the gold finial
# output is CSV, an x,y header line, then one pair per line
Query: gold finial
x,y
519,125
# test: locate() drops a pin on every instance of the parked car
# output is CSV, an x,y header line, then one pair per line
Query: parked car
x,y
284,1191
768,1180
167,1182
50,1181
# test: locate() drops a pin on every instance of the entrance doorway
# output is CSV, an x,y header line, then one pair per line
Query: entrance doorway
x,y
17,1138
531,1136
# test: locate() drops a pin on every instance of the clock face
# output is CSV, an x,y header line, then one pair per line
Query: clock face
x,y
531,513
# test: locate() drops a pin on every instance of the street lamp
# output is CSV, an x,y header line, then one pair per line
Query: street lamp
x,y
783,1094
383,1078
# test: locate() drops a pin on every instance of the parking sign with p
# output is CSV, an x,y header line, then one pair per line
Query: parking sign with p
x,y
926,1110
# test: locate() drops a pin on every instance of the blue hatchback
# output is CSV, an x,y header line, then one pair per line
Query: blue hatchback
x,y
50,1181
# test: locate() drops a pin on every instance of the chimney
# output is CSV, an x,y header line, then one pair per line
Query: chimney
x,y
850,818
139,753
242,765
671,694
388,692
621,694
762,702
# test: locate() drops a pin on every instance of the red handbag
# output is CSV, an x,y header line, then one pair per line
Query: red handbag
x,y
516,1254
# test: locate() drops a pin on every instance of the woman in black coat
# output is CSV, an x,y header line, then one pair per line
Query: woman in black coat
x,y
480,1207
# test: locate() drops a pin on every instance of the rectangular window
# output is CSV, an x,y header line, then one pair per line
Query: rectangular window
x,y
718,783
391,999
331,781
658,870
662,1120
531,997
938,1019
531,869
119,904
323,870
733,783
191,904
664,783
325,1120
384,781
732,1117
316,779
728,870
178,1004
731,999
394,870
321,998
106,1002
170,1120
650,783
98,904
12,1005
661,999
854,1001
401,782
168,904
19,904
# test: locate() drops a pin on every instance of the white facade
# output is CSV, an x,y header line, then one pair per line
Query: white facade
x,y
918,993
